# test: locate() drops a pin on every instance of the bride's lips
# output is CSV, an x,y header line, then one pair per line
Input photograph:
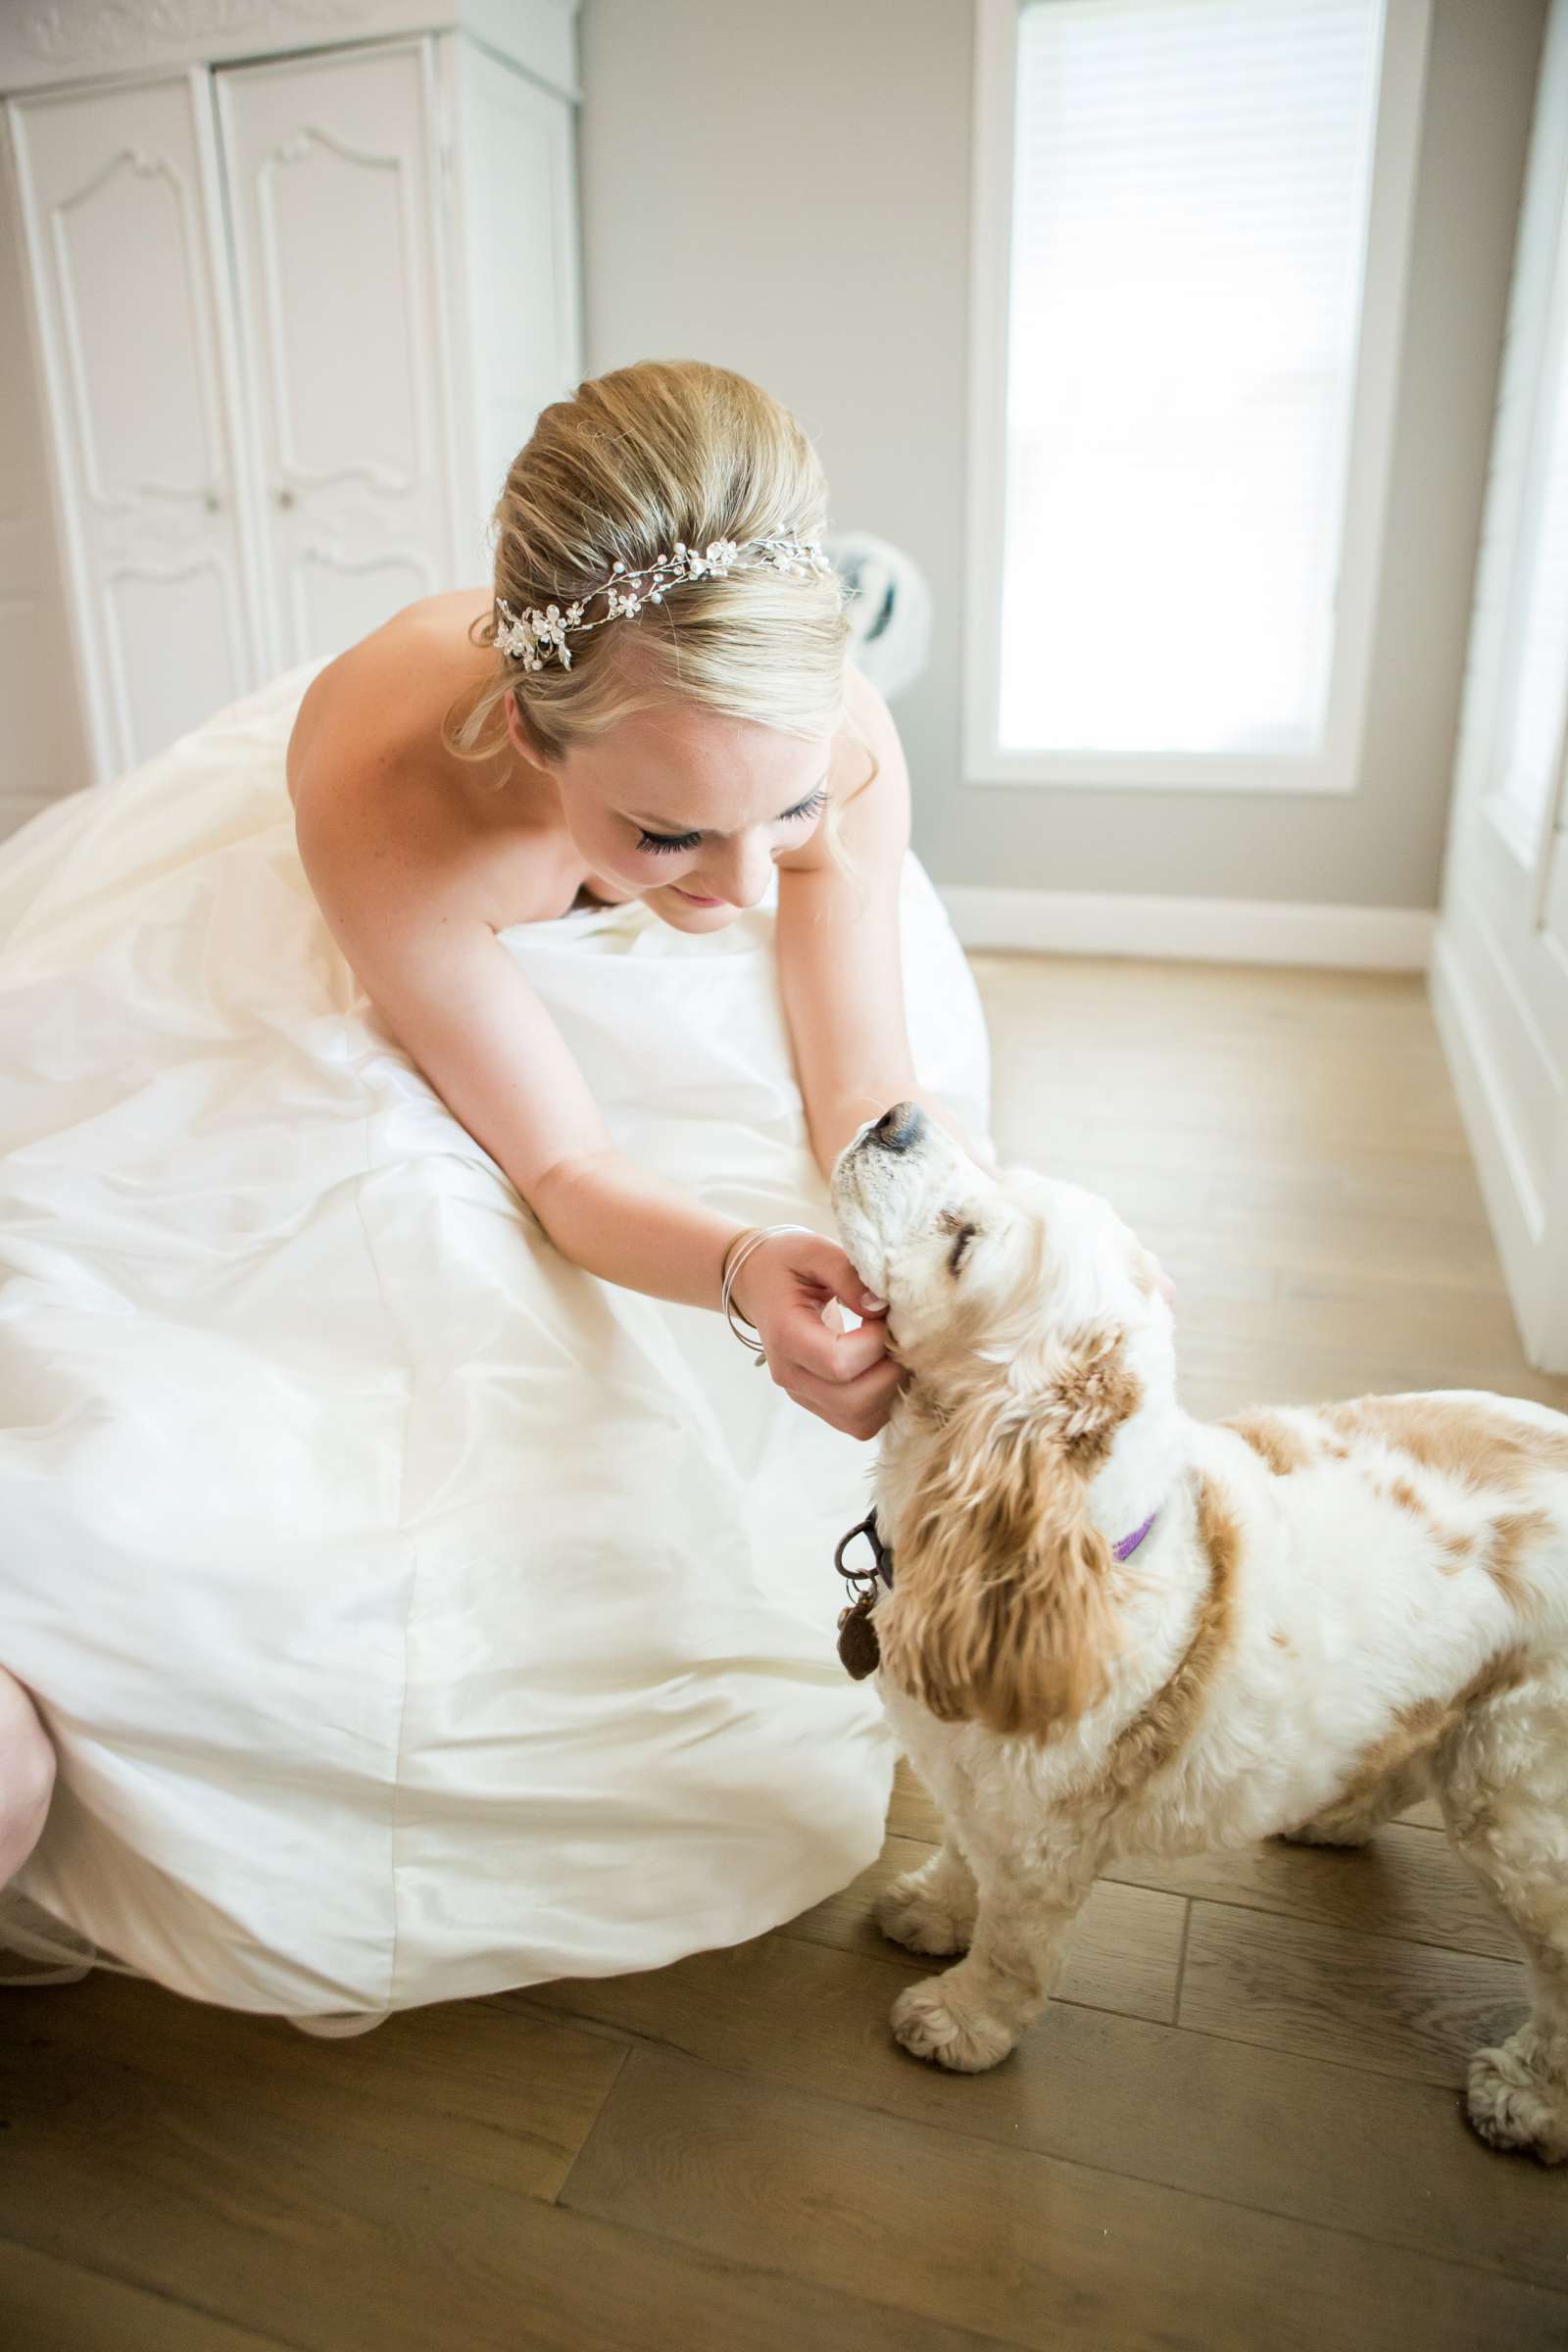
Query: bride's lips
x,y
691,898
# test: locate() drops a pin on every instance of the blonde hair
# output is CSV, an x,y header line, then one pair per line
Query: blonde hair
x,y
636,460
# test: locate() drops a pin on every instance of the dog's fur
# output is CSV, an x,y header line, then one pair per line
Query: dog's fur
x,y
1336,1610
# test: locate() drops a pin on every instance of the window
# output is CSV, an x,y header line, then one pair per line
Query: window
x,y
1192,218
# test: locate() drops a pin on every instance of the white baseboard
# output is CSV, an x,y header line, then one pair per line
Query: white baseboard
x,y
1071,922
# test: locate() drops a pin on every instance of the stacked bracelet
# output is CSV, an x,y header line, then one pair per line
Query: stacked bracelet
x,y
735,1256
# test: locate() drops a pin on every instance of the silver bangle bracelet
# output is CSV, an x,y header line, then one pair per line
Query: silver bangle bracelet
x,y
735,1257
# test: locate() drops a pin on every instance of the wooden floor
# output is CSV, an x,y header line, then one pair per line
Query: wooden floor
x,y
1238,2128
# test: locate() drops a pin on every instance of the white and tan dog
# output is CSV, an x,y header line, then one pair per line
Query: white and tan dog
x,y
1335,1609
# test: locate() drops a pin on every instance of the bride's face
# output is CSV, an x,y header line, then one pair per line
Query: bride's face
x,y
688,808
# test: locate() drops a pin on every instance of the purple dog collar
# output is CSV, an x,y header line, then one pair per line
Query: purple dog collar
x,y
881,1568
1129,1543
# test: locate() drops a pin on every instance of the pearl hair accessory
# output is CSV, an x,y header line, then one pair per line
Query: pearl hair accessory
x,y
541,637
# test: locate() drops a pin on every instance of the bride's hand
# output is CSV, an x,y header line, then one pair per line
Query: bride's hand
x,y
846,1378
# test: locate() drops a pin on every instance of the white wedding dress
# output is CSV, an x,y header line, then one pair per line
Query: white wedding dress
x,y
414,1614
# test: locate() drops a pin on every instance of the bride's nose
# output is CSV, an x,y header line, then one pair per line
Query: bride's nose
x,y
739,870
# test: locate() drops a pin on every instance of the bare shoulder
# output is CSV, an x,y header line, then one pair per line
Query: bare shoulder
x,y
867,722
384,698
869,780
382,806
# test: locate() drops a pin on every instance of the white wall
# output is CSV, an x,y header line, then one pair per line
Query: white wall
x,y
785,189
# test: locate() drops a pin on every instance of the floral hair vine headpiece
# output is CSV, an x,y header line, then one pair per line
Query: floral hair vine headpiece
x,y
538,638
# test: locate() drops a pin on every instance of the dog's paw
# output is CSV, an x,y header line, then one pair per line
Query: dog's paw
x,y
1512,2106
925,1914
933,2022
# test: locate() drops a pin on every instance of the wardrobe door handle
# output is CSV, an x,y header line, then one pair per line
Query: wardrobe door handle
x,y
285,497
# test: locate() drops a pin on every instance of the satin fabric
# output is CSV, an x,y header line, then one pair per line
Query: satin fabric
x,y
414,1615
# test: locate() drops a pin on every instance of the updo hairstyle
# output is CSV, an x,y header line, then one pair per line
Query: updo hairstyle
x,y
635,461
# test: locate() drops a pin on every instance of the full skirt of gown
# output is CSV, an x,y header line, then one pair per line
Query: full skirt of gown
x,y
414,1614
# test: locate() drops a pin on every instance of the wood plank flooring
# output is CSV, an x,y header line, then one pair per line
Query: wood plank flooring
x,y
1238,2128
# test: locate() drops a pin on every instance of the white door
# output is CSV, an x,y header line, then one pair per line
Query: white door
x,y
43,751
1502,979
118,202
330,165
519,341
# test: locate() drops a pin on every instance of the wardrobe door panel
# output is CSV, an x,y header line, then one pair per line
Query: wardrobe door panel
x,y
43,753
330,164
118,204
516,161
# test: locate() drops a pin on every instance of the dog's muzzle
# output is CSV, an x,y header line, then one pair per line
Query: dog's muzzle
x,y
897,1129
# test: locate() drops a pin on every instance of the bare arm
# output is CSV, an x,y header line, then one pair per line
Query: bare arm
x,y
840,968
409,915
411,923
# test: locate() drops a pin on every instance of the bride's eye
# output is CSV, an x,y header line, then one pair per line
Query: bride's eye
x,y
668,841
658,841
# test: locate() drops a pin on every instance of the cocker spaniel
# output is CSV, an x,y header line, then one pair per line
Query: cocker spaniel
x,y
1113,1629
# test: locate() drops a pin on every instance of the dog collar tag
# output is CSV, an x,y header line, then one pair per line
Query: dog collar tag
x,y
860,1651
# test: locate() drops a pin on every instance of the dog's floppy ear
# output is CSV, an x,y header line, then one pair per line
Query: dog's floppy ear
x,y
1002,1609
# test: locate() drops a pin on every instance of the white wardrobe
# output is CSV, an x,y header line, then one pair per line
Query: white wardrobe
x,y
287,319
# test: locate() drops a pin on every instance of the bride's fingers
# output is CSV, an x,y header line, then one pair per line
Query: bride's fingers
x,y
835,1356
859,1406
823,1261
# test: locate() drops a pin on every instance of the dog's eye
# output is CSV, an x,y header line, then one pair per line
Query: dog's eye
x,y
961,1242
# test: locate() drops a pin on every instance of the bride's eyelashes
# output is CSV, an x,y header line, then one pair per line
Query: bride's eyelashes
x,y
688,840
667,841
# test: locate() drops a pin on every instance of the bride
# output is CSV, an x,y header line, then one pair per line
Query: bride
x,y
409,1588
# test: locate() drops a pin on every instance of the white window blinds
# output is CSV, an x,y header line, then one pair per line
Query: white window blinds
x,y
1191,195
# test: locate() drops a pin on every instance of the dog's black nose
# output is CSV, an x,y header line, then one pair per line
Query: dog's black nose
x,y
897,1129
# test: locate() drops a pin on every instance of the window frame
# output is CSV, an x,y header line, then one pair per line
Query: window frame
x,y
1336,767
